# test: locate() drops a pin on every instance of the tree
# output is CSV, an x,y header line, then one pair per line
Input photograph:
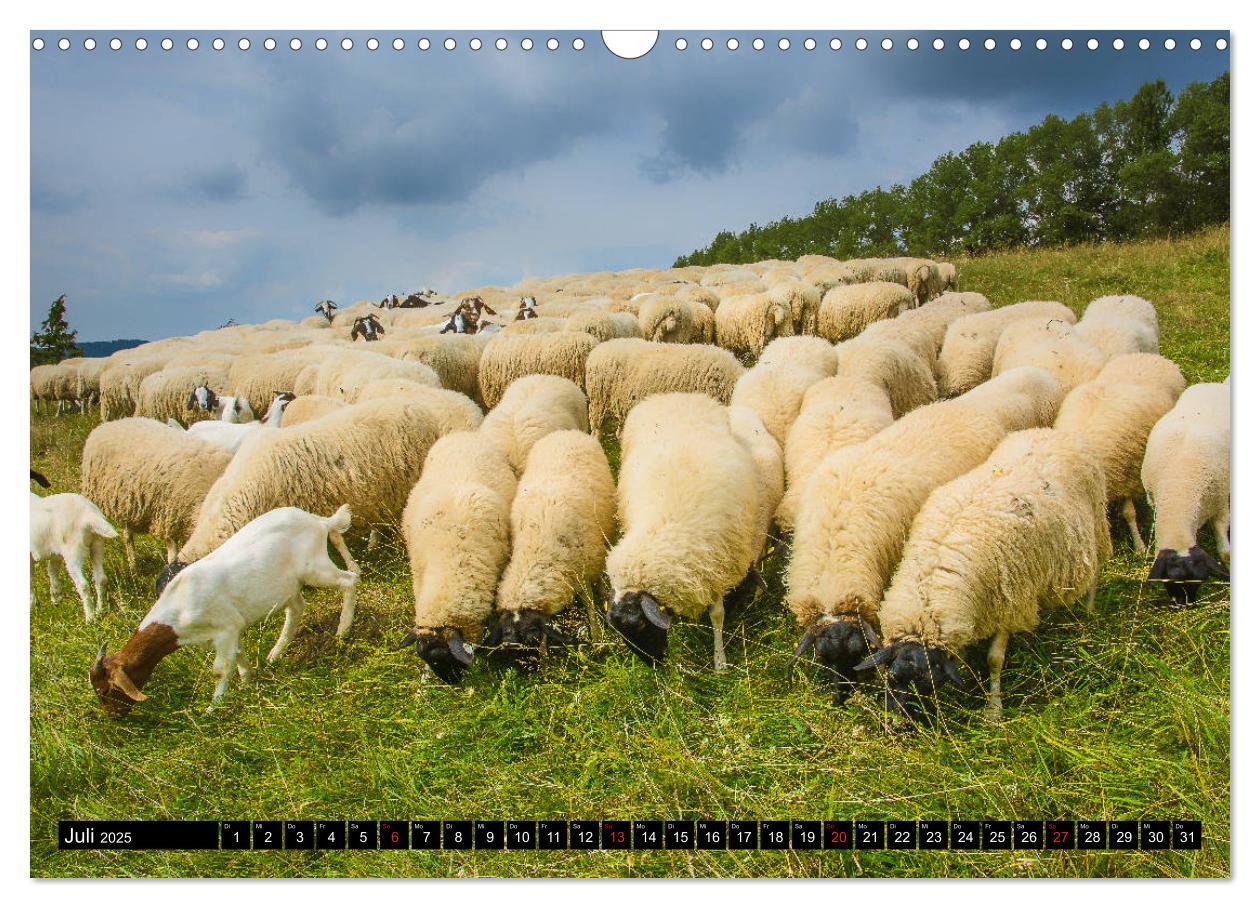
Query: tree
x,y
55,341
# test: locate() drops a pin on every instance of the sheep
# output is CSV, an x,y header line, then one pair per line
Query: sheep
x,y
1114,413
746,323
718,277
1186,476
231,436
949,276
1024,531
88,380
767,455
562,523
367,455
799,298
534,407
923,329
71,527
858,503
307,407
1120,324
174,391
835,413
537,325
694,293
775,394
452,410
689,503
457,526
847,309
257,376
671,320
147,477
262,568
892,365
813,353
966,355
509,357
344,374
120,384
603,325
455,358
620,373
1049,344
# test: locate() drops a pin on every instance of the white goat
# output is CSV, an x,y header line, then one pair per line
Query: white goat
x,y
231,435
72,527
262,568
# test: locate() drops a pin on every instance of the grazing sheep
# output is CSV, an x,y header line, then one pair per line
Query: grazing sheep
x,y
534,407
799,298
367,455
1120,324
966,354
1024,531
835,413
563,519
72,528
1050,344
181,391
775,394
147,477
812,353
307,407
603,325
892,365
344,374
452,410
923,329
846,310
1113,415
668,319
949,276
620,373
767,455
260,569
718,277
120,384
857,506
88,381
746,323
509,357
536,325
256,377
457,525
455,358
1186,475
689,503
694,293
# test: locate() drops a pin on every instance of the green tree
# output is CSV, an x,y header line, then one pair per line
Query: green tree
x,y
55,340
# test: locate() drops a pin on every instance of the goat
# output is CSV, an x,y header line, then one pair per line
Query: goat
x,y
202,398
70,526
231,435
367,327
528,309
326,308
263,567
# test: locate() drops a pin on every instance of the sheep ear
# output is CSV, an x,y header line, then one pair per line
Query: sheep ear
x,y
1214,568
455,643
406,641
868,632
951,670
652,612
1159,570
558,636
879,658
119,679
806,641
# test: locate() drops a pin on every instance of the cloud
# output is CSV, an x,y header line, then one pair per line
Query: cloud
x,y
48,199
223,183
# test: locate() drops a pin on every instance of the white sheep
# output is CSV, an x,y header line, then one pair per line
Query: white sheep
x,y
1024,531
858,503
511,356
775,393
966,355
689,503
923,329
847,309
1051,344
746,323
533,407
1186,474
893,365
814,353
1120,324
69,526
261,569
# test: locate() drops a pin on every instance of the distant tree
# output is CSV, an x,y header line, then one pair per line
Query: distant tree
x,y
55,340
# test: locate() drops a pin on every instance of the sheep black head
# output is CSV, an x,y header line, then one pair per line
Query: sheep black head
x,y
1183,576
838,645
446,653
517,638
639,618
915,672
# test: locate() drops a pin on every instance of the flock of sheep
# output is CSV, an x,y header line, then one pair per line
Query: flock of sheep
x,y
943,469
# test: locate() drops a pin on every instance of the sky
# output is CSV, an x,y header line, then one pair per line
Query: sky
x,y
173,190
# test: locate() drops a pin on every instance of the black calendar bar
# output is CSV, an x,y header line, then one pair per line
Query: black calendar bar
x,y
631,835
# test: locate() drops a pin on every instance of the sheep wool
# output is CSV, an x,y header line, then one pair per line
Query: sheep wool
x,y
801,299
891,364
344,374
767,455
603,325
923,329
453,411
533,408
366,455
509,357
148,477
835,413
164,394
775,394
307,407
620,373
847,309
746,323
666,319
812,353
1120,324
562,522
1113,419
454,357
966,355
1049,344
694,293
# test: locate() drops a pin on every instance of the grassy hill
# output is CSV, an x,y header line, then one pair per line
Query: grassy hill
x,y
1119,715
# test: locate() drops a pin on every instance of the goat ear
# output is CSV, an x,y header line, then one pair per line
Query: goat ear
x,y
653,613
99,664
879,658
455,643
119,679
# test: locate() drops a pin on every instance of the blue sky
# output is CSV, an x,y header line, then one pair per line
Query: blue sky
x,y
172,190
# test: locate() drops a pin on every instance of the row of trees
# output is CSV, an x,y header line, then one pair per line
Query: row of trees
x,y
1152,165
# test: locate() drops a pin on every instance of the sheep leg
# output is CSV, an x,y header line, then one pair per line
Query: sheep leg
x,y
1130,516
292,618
129,546
1221,525
54,583
1089,600
593,618
226,647
997,658
374,539
172,551
74,567
98,571
717,615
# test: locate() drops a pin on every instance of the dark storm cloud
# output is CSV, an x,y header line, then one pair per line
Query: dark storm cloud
x,y
249,185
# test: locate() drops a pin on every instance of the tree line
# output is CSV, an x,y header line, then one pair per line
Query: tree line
x,y
1151,165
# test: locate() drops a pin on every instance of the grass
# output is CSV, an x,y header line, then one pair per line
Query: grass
x,y
1122,715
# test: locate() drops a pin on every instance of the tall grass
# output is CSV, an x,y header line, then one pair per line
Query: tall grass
x,y
1119,715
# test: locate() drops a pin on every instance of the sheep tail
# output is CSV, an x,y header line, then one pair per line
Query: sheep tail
x,y
340,521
